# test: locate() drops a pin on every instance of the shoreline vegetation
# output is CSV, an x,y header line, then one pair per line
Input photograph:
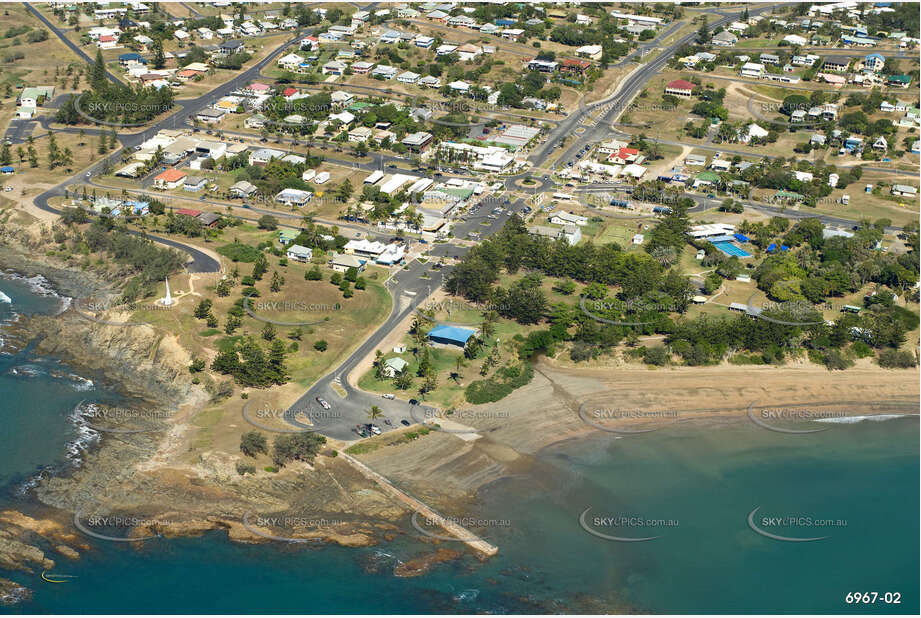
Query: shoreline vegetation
x,y
187,489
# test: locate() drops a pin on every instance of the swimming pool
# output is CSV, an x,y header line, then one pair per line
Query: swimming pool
x,y
729,248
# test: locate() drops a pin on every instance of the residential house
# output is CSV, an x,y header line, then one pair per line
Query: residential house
x,y
384,71
341,262
408,77
193,184
242,189
299,253
566,218
679,88
904,191
417,142
724,39
262,156
570,233
838,64
752,69
293,197
874,62
169,179
210,115
394,366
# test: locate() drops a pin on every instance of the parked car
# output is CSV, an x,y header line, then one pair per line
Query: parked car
x,y
387,396
404,422
323,403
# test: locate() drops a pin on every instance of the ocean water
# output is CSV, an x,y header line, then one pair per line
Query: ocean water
x,y
692,486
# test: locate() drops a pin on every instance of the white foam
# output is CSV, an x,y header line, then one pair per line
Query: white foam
x,y
850,420
5,299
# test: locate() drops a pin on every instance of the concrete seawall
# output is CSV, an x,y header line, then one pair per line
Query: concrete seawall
x,y
462,534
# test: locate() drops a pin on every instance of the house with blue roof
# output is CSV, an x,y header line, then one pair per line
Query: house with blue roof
x,y
7,169
874,62
451,335
131,58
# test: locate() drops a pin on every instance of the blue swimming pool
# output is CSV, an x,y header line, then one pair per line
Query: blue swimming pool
x,y
727,247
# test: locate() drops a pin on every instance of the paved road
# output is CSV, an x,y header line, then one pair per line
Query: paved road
x,y
615,104
61,35
187,108
703,203
409,289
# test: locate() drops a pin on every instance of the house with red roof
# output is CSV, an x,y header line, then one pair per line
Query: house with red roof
x,y
623,156
107,41
170,179
679,88
571,65
289,93
189,212
257,88
186,74
310,42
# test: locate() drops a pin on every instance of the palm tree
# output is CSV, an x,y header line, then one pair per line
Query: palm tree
x,y
375,413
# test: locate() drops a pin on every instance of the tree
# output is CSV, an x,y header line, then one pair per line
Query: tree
x,y
268,222
320,345
298,446
98,72
704,30
375,413
277,281
159,58
253,443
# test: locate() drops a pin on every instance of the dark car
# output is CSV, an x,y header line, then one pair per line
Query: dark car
x,y
404,422
413,402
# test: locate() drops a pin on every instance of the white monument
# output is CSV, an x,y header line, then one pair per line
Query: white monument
x,y
167,300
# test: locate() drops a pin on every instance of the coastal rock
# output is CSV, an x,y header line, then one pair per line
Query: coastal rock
x,y
46,528
421,565
67,552
12,593
16,555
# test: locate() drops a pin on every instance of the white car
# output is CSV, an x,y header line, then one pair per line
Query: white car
x,y
375,430
387,396
323,403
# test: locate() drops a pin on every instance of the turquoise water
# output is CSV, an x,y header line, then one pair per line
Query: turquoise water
x,y
704,480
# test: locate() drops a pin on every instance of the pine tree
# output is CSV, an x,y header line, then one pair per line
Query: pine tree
x,y
98,72
159,58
